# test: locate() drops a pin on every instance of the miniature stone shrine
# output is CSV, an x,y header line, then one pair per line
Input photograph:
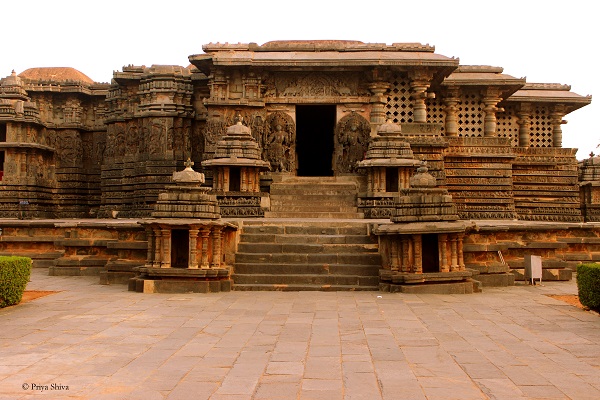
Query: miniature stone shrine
x,y
236,168
185,240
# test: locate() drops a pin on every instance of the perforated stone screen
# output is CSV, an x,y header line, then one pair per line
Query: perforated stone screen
x,y
540,128
435,112
470,115
507,126
399,107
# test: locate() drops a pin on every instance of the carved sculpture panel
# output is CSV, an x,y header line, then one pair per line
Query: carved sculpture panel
x,y
279,142
351,142
314,84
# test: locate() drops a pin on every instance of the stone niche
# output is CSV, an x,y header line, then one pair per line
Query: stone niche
x,y
187,241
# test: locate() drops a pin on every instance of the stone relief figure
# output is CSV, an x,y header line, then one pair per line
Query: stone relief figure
x,y
132,139
352,138
155,140
279,142
70,148
119,139
213,130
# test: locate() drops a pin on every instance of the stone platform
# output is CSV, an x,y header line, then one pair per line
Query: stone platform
x,y
180,280
428,282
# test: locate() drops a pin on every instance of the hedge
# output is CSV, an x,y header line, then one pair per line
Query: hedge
x,y
588,285
14,275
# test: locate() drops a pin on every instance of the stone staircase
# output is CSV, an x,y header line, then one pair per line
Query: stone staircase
x,y
314,197
294,256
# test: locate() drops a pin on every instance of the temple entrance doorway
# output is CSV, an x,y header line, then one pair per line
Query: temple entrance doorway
x,y
314,139
180,248
431,258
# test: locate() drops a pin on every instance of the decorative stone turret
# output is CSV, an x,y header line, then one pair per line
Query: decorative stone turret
x,y
236,167
423,201
389,163
187,199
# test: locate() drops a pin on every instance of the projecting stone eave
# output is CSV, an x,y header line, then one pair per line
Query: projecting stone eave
x,y
410,228
389,162
341,54
477,76
550,93
236,162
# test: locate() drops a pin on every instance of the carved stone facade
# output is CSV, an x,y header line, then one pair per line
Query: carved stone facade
x,y
71,147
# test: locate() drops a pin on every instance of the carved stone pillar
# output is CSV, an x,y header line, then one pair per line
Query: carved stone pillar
x,y
454,254
151,244
443,243
394,252
193,259
524,122
216,246
556,118
166,248
378,101
491,97
204,234
461,260
418,254
451,106
157,260
226,179
420,82
243,179
405,266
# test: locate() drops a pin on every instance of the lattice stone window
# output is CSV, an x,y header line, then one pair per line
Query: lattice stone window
x,y
507,125
435,112
399,106
470,115
540,127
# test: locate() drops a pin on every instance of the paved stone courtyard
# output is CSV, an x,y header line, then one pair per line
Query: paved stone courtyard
x,y
104,342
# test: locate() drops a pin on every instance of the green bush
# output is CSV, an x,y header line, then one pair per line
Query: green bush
x,y
588,285
14,275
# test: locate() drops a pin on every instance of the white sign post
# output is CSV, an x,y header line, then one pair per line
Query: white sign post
x,y
533,268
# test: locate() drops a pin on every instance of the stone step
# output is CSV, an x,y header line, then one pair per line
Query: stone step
x,y
248,238
310,207
313,190
302,248
582,257
310,258
548,274
307,228
308,215
306,279
546,263
304,287
306,269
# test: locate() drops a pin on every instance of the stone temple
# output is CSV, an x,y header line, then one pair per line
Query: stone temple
x,y
307,165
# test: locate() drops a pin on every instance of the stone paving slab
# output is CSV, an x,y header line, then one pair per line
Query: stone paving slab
x,y
104,342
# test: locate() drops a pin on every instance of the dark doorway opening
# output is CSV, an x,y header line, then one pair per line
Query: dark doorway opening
x,y
314,139
180,248
431,257
235,178
391,179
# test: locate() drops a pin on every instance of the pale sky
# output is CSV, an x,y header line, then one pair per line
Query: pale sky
x,y
547,41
